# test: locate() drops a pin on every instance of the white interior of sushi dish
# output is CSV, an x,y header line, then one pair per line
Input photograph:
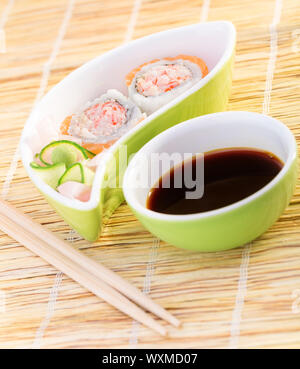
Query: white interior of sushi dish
x,y
212,41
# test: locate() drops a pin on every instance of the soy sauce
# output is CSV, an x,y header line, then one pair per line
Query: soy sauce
x,y
230,175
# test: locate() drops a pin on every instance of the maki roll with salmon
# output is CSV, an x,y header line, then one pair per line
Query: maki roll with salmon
x,y
156,83
103,121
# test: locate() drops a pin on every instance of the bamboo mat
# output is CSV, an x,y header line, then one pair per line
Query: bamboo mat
x,y
244,298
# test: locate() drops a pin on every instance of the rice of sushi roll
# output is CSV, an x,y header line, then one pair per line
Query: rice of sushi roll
x,y
101,122
156,83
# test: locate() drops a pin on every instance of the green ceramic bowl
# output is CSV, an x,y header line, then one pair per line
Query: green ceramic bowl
x,y
230,226
212,41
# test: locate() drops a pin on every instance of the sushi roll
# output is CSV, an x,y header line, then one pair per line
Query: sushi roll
x,y
156,83
103,121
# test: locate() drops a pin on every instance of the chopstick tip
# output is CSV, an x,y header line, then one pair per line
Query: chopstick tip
x,y
174,321
161,330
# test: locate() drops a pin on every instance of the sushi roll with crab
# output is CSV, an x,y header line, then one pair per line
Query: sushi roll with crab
x,y
156,83
103,121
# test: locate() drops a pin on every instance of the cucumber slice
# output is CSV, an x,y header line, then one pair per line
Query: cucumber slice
x,y
63,154
78,173
63,151
49,174
74,173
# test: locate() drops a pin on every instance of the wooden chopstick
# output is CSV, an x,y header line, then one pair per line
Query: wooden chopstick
x,y
92,267
99,270
77,272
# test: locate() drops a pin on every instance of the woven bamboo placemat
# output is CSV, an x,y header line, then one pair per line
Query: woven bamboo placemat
x,y
245,298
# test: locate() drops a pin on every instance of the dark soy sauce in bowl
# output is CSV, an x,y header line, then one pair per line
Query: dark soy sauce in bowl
x,y
230,175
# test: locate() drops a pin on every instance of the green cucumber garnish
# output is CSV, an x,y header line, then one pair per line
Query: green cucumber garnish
x,y
63,154
62,163
49,174
64,151
77,173
74,174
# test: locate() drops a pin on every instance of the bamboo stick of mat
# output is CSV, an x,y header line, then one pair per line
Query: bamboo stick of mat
x,y
71,262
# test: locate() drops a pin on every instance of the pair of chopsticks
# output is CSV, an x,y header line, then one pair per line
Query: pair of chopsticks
x,y
95,277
